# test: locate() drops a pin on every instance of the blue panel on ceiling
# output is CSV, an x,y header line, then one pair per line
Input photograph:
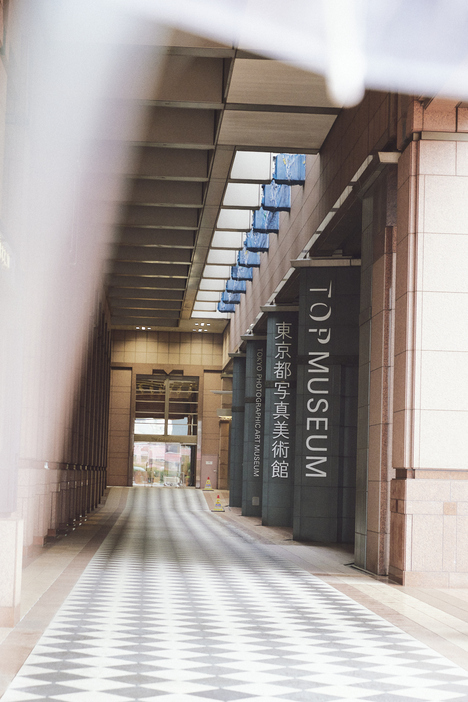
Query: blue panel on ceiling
x,y
248,258
225,307
234,286
265,221
290,169
257,241
241,273
232,298
276,197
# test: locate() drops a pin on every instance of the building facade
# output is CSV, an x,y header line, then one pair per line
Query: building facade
x,y
331,400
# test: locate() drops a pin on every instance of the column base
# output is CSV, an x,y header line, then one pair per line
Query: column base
x,y
11,558
9,616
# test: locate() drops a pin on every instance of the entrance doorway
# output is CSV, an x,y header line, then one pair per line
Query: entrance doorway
x,y
165,430
160,463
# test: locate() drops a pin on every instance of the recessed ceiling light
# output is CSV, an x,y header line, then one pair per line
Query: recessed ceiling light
x,y
202,324
137,327
143,327
208,324
149,327
196,324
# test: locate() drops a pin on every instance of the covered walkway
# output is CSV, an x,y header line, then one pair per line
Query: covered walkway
x,y
175,603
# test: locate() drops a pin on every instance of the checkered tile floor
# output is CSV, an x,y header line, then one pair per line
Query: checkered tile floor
x,y
177,607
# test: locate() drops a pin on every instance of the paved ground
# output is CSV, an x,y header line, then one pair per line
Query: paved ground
x,y
179,605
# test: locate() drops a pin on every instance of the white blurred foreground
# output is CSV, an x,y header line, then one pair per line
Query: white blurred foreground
x,y
60,75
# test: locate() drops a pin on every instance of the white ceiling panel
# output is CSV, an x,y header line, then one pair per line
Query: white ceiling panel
x,y
227,240
212,284
226,256
210,315
217,272
243,195
208,296
235,219
252,166
204,306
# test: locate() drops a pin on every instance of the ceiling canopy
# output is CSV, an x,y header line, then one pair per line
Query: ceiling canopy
x,y
213,118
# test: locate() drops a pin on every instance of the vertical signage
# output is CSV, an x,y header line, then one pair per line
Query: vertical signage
x,y
325,465
258,420
252,483
318,381
236,437
280,412
281,438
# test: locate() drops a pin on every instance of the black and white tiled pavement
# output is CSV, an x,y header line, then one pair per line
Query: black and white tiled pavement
x,y
177,607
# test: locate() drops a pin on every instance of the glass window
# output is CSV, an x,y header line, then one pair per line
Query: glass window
x,y
166,405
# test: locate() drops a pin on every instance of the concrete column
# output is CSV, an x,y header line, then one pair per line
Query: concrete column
x,y
236,444
324,484
429,522
365,330
223,466
120,427
280,410
252,480
376,319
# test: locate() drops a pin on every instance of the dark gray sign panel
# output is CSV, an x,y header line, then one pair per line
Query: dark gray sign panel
x,y
326,425
280,410
253,428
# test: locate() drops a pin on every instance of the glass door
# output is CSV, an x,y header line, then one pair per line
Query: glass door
x,y
162,464
165,430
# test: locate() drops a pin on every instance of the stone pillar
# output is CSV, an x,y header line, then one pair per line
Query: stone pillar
x,y
365,330
328,337
252,481
120,428
429,520
236,442
223,465
375,397
280,410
